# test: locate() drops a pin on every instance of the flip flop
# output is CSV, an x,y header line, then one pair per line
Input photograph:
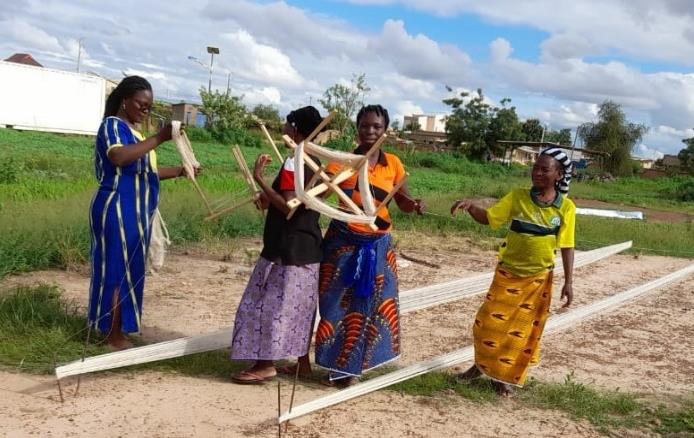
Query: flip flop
x,y
254,380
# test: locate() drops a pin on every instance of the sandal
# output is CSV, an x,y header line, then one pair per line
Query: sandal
x,y
254,378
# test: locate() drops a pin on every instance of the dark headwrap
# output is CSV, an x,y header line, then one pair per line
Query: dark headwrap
x,y
567,167
305,120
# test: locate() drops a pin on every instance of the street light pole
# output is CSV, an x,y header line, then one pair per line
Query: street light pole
x,y
212,51
79,53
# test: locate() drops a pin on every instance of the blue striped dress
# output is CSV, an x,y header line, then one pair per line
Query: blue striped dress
x,y
120,217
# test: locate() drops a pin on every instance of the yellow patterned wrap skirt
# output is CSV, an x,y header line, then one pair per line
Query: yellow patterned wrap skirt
x,y
509,325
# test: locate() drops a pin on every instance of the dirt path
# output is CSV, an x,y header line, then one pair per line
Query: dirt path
x,y
644,347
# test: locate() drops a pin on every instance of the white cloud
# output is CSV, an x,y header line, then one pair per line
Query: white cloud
x,y
30,36
418,56
658,30
405,108
667,98
646,152
260,62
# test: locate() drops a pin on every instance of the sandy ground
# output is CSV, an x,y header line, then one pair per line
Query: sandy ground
x,y
644,347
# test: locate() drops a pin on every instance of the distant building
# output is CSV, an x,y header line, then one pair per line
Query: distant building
x,y
426,122
647,163
187,113
671,161
23,58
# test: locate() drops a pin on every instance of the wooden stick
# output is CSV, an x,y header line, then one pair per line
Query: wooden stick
x,y
322,187
248,176
320,126
291,400
84,355
224,211
420,261
279,410
326,178
57,380
392,193
272,143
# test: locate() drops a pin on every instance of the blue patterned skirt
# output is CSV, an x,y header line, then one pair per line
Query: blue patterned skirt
x,y
358,301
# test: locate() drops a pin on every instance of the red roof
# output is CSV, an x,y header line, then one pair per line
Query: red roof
x,y
23,58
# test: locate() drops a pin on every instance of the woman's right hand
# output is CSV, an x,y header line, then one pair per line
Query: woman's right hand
x,y
462,204
260,164
164,133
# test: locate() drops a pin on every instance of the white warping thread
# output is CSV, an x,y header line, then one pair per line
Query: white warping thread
x,y
411,300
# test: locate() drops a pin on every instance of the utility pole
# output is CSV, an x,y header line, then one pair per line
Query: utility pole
x,y
212,51
228,83
79,53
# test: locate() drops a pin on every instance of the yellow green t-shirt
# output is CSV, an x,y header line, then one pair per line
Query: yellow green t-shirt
x,y
535,232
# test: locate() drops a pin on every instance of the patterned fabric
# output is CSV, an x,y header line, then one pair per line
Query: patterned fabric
x,y
120,217
566,164
509,325
536,230
387,173
357,331
275,316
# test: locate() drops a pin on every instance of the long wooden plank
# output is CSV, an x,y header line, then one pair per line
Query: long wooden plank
x,y
554,324
414,299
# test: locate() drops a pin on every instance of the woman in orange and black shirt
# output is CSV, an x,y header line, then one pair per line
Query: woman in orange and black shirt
x,y
358,287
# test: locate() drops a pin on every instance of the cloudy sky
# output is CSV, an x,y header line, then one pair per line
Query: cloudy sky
x,y
556,59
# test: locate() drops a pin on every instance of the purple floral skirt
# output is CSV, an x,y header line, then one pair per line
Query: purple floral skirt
x,y
275,316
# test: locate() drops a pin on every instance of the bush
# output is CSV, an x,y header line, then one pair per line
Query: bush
x,y
199,134
685,190
238,136
9,171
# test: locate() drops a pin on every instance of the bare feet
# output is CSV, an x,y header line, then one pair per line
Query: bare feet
x,y
339,383
118,342
503,389
472,373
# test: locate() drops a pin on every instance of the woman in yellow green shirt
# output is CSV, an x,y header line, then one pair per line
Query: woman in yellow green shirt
x,y
509,324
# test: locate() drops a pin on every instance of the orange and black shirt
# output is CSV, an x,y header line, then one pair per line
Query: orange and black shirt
x,y
383,176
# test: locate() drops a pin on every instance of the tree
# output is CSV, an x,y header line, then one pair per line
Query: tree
x,y
413,125
345,100
562,136
466,127
614,134
395,125
223,112
269,115
503,125
475,127
532,130
686,155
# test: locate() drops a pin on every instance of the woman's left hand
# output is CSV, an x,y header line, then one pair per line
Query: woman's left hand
x,y
419,206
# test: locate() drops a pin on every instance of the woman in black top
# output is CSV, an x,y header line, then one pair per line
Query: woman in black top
x,y
275,317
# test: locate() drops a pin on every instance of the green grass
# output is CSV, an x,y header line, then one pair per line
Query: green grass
x,y
611,412
46,189
39,328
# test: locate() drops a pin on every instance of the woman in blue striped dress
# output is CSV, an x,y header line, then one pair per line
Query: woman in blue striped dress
x,y
122,210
